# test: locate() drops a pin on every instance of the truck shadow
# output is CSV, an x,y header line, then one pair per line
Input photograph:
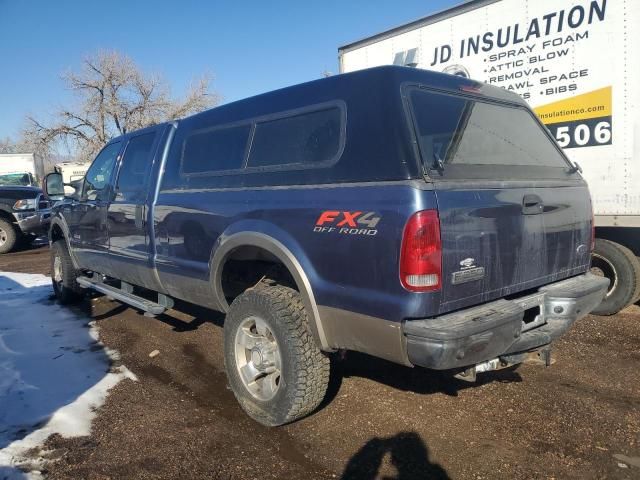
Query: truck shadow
x,y
200,316
417,380
354,364
29,245
408,455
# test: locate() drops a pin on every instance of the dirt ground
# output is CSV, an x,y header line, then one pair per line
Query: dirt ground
x,y
579,418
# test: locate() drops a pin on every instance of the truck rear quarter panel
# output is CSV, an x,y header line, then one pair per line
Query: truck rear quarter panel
x,y
346,238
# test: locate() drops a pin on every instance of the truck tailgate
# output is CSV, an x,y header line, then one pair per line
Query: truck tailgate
x,y
497,242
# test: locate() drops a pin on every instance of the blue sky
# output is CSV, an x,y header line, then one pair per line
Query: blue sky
x,y
250,47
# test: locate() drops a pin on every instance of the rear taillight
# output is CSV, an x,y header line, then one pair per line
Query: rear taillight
x,y
421,253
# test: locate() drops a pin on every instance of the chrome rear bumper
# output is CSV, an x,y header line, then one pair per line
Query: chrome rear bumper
x,y
503,327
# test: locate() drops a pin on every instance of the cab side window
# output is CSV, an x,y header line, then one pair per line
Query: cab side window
x,y
96,181
135,171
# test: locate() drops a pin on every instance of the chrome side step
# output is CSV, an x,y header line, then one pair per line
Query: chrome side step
x,y
124,295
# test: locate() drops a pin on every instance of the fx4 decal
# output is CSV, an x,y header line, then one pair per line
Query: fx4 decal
x,y
347,223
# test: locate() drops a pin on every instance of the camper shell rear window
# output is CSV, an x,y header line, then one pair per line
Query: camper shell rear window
x,y
465,137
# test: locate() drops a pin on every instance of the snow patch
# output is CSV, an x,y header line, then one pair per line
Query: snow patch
x,y
54,373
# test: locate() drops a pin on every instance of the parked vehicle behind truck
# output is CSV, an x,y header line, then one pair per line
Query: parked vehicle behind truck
x,y
418,217
576,63
20,169
71,171
24,215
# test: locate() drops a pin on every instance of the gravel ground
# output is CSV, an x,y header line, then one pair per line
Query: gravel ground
x,y
579,418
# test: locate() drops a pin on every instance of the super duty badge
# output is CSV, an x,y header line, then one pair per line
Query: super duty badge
x,y
468,272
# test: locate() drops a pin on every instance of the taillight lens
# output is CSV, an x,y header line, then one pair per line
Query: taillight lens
x,y
421,253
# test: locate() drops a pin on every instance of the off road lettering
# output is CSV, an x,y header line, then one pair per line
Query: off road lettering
x,y
347,223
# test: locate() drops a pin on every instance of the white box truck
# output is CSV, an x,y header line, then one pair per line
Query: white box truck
x,y
20,169
72,171
577,62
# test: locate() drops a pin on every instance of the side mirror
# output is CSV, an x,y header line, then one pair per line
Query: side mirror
x,y
54,188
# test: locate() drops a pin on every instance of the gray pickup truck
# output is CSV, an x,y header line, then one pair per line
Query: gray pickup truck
x,y
24,215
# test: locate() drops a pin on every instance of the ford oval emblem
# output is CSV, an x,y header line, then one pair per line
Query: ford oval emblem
x,y
468,262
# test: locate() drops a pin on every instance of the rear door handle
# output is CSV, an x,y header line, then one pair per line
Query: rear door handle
x,y
532,205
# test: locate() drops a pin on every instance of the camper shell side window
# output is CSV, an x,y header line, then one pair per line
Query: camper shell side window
x,y
309,137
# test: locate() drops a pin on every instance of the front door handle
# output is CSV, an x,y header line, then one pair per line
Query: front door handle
x,y
532,205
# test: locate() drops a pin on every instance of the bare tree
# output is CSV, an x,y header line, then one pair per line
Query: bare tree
x,y
113,97
22,145
7,145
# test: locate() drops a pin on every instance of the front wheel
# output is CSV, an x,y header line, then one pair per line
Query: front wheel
x,y
622,268
275,369
63,274
8,236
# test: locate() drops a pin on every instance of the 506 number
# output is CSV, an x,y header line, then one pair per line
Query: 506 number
x,y
583,134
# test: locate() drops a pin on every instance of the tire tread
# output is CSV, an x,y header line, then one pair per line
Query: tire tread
x,y
71,291
311,365
630,280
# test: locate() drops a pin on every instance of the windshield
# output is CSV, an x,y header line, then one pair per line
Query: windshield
x,y
16,179
458,135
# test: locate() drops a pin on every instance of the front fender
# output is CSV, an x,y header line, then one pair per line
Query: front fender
x,y
58,221
267,236
7,210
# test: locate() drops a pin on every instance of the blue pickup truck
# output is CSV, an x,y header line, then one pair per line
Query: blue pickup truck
x,y
423,218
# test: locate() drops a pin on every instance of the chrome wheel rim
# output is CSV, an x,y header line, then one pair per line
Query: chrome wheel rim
x,y
57,270
258,358
604,268
3,237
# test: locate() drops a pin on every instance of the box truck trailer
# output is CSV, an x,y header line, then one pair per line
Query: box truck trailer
x,y
577,64
20,169
72,171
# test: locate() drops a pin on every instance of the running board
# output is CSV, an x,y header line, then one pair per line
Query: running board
x,y
122,295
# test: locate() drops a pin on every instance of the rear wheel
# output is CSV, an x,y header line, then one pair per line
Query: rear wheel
x,y
274,367
63,274
622,268
8,236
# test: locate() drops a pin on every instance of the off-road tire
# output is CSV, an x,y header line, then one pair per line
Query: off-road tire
x,y
67,290
9,235
622,268
305,369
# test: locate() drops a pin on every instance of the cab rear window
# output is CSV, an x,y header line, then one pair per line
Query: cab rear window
x,y
458,136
